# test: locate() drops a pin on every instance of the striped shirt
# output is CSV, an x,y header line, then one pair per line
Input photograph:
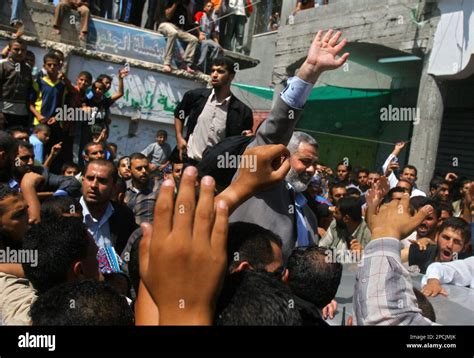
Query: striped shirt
x,y
383,292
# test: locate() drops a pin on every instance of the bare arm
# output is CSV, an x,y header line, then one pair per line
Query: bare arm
x,y
169,12
54,152
29,184
119,94
13,269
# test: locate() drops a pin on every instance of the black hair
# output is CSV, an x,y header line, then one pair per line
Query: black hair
x,y
23,144
59,243
350,206
426,307
10,146
348,166
417,202
68,165
12,130
57,53
412,167
102,76
111,144
97,83
445,206
137,155
436,182
92,144
363,170
50,56
255,298
86,74
86,303
162,132
312,277
336,185
457,224
251,243
225,61
396,189
56,206
105,163
351,191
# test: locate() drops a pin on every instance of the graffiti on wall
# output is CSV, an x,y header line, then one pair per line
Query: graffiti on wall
x,y
148,95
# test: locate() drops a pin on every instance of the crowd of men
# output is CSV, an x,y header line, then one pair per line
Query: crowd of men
x,y
181,236
205,27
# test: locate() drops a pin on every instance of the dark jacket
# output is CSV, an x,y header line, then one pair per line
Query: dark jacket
x,y
53,182
15,82
239,116
122,224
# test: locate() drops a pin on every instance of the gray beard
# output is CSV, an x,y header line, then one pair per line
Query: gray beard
x,y
299,182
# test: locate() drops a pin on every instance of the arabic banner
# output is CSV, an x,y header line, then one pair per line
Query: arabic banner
x,y
127,41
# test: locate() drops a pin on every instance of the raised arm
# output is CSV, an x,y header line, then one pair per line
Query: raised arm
x,y
119,94
322,56
382,273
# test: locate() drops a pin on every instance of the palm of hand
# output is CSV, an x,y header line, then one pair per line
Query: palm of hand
x,y
324,55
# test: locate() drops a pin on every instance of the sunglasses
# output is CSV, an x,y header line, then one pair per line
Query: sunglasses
x,y
26,158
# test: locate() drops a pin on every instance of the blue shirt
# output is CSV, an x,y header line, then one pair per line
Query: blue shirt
x,y
296,92
99,229
37,148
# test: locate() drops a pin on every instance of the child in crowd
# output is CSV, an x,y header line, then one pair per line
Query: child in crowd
x,y
39,138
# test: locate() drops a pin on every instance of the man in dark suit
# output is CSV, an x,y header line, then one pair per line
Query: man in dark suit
x,y
281,208
110,224
214,114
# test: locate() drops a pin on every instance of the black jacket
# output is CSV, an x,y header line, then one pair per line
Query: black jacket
x,y
239,116
122,224
15,81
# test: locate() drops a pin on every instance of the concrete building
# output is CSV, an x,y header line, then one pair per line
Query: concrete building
x,y
150,94
413,61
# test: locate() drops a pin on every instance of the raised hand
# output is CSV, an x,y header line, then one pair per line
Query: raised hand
x,y
123,73
394,219
55,149
374,197
187,252
322,55
269,165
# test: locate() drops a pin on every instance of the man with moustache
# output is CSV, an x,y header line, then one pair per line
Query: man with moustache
x,y
427,228
282,209
451,239
141,194
109,223
348,230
